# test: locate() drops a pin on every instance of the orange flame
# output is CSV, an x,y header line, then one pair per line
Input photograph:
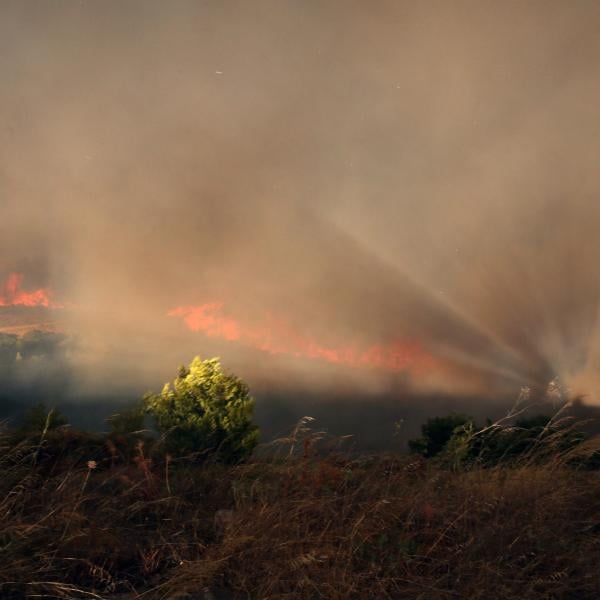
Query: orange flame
x,y
11,294
277,337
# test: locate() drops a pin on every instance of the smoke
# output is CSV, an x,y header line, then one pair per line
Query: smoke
x,y
34,367
367,175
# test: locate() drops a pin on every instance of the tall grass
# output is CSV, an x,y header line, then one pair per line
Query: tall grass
x,y
85,517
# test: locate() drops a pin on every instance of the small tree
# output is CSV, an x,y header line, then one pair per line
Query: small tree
x,y
205,411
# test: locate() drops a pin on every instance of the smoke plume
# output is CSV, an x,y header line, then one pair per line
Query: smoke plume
x,y
387,198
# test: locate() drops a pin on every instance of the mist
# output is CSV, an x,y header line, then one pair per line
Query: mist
x,y
408,190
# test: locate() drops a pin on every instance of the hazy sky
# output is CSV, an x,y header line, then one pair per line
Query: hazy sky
x,y
335,174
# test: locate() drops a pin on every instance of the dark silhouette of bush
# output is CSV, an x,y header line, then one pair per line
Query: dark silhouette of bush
x,y
456,441
39,419
127,421
437,432
534,438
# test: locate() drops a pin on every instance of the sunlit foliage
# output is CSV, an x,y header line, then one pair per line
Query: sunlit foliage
x,y
206,412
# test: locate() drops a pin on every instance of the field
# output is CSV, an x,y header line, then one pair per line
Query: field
x,y
86,516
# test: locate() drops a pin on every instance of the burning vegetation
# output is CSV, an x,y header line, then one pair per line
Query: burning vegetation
x,y
13,294
276,336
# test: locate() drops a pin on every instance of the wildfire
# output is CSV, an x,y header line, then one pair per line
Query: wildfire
x,y
275,336
12,294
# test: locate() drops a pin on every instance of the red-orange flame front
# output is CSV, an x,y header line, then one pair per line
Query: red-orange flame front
x,y
277,337
12,294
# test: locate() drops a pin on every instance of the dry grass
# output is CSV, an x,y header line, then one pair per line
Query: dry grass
x,y
300,527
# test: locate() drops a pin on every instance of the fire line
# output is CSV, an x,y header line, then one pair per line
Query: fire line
x,y
276,337
12,294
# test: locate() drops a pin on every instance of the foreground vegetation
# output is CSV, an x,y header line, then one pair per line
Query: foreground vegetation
x,y
115,516
193,509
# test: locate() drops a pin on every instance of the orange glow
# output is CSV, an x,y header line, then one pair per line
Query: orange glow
x,y
277,337
12,294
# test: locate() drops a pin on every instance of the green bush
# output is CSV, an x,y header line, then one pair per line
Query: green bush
x,y
534,439
437,432
456,441
205,412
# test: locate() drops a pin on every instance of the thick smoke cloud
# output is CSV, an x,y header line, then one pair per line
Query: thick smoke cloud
x,y
366,171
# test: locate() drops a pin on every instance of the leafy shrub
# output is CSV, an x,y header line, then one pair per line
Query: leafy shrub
x,y
534,439
205,411
437,432
457,441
